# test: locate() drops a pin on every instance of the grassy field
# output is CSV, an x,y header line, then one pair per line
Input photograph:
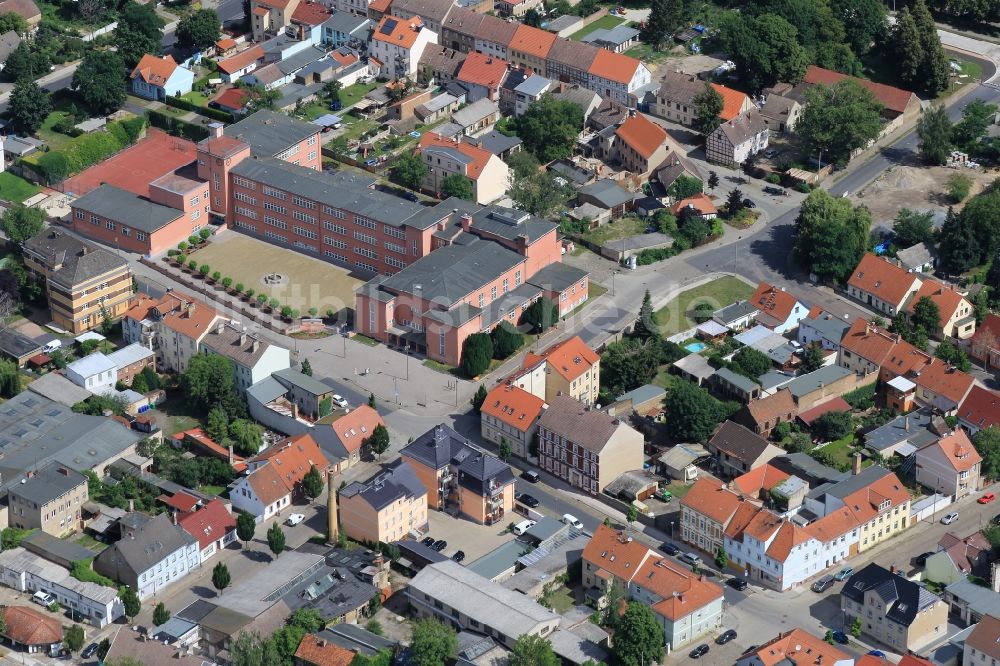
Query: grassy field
x,y
673,317
621,228
16,189
55,140
647,53
196,97
603,22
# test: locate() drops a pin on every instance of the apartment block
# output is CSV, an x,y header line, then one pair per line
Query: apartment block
x,y
172,327
386,507
51,499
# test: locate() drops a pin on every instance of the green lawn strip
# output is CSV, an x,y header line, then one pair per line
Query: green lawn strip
x,y
603,22
16,189
672,317
624,227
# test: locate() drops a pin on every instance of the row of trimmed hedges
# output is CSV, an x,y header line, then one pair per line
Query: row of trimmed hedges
x,y
175,126
214,114
85,150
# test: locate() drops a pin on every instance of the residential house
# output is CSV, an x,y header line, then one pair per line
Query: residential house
x,y
893,610
516,8
957,559
675,100
761,416
706,511
585,447
736,316
895,102
253,358
614,75
734,386
482,76
935,382
456,472
796,646
950,466
130,360
640,145
510,413
780,113
160,77
27,572
274,476
445,158
236,66
588,101
152,554
822,330
979,410
778,310
477,118
94,372
738,450
353,431
982,645
618,39
456,595
699,205
345,28
569,368
984,346
606,195
882,285
439,64
172,326
819,386
865,347
314,650
529,91
434,13
529,47
686,606
211,524
734,141
969,601
31,630
672,168
398,43
385,508
919,258
958,319
51,499
83,282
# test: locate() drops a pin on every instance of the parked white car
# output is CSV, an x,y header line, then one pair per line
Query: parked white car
x,y
572,521
523,527
339,401
295,519
43,598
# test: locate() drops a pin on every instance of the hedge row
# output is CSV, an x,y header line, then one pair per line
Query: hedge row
x,y
175,126
214,114
86,150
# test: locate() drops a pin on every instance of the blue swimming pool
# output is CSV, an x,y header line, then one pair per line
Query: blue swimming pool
x,y
695,347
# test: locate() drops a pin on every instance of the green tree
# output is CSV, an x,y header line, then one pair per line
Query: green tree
x,y
856,627
911,227
541,315
331,92
259,97
751,363
325,406
21,223
530,650
307,619
708,106
690,413
665,17
905,48
458,186
276,539
523,164
247,436
839,119
958,185
638,637
977,116
371,400
209,382
139,31
687,186
713,180
506,340
982,214
379,441
220,576
832,425
549,128
13,21
29,106
645,324
10,380
198,30
631,514
160,614
812,359
957,244
409,170
831,235
533,17
74,638
721,558
954,355
765,49
100,82
433,643
246,526
935,132
992,282
477,351
629,363
23,63
217,424
734,202
934,68
248,649
130,602
504,451
539,193
479,398
312,483
987,443
864,22
926,315
306,368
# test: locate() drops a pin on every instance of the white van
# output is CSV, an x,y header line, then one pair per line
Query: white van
x,y
43,598
523,527
51,346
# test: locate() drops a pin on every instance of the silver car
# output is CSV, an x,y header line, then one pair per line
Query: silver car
x,y
950,518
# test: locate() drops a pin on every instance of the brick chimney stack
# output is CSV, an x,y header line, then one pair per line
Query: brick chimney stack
x,y
332,525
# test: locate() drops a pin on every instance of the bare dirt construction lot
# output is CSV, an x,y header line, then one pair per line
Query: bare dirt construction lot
x,y
301,282
916,188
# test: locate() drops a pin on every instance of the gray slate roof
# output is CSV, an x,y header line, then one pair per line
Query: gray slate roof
x,y
614,37
912,427
122,206
607,193
49,483
17,344
737,380
301,381
397,482
807,383
571,419
495,142
830,327
734,312
739,442
557,277
270,133
80,260
152,542
57,388
473,113
442,446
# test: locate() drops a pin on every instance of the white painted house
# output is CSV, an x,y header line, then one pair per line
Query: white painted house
x,y
159,77
274,475
96,372
254,358
398,43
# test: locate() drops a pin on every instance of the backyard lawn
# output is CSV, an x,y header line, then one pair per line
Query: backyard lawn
x,y
603,22
16,189
196,97
646,53
621,228
673,317
351,95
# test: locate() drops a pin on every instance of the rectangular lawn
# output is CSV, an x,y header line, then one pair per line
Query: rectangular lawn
x,y
673,317
603,22
16,189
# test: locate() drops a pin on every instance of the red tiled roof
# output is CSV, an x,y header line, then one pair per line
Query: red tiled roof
x,y
242,59
234,99
353,428
321,652
614,552
773,301
225,43
286,463
981,408
196,437
480,157
513,406
893,99
482,70
344,59
946,298
798,647
532,41
398,31
311,13
155,70
878,276
712,499
957,450
380,6
837,404
209,523
760,478
732,101
570,358
699,202
614,66
182,501
944,380
642,134
28,626
864,503
681,590
833,525
870,342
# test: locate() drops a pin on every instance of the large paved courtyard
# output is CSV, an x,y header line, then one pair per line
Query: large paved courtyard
x,y
305,282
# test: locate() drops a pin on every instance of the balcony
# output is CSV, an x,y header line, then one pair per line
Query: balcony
x,y
494,502
493,517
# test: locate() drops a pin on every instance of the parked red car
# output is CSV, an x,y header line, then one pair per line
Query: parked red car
x,y
987,498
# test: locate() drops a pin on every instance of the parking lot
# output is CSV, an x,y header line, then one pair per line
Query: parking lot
x,y
461,534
